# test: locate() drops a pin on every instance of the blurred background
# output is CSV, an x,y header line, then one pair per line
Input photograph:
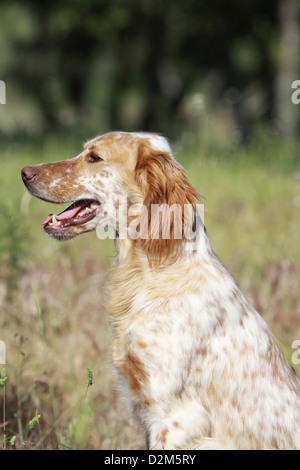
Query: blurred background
x,y
157,65
216,79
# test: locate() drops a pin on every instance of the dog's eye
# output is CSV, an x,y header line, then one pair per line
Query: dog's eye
x,y
93,158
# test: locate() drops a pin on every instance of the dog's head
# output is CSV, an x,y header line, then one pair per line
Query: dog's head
x,y
135,169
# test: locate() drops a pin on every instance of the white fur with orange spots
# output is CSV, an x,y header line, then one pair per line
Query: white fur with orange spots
x,y
197,365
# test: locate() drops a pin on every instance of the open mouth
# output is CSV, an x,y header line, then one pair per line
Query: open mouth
x,y
78,213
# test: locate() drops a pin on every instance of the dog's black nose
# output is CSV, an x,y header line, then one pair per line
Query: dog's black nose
x,y
28,173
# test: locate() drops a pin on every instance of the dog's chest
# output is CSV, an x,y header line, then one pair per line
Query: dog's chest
x,y
155,352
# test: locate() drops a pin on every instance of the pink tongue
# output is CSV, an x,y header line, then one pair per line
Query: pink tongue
x,y
67,214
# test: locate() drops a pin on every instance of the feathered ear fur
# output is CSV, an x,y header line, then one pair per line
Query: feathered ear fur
x,y
169,200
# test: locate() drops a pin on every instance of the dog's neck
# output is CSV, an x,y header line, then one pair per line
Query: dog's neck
x,y
128,252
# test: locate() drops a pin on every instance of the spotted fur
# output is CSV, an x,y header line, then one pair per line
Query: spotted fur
x,y
197,365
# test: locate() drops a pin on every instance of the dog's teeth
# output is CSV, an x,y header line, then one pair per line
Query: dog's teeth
x,y
93,206
54,221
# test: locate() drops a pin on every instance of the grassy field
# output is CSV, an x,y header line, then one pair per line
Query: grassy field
x,y
52,318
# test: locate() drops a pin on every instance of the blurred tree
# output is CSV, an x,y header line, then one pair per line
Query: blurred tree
x,y
131,63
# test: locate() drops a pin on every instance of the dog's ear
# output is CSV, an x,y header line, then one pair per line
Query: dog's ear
x,y
169,200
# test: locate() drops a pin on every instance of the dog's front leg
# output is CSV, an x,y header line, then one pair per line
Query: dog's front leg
x,y
183,426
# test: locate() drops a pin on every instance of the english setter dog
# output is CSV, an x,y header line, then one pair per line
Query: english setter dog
x,y
198,366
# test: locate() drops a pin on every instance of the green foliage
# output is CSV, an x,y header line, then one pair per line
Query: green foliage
x,y
83,419
14,245
90,379
81,427
33,421
133,64
3,377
